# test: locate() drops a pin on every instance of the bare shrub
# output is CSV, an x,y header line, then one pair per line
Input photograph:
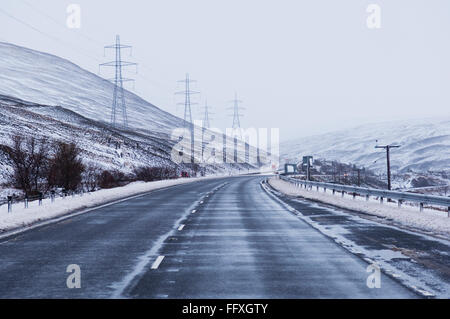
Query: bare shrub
x,y
66,167
149,174
29,157
91,177
110,179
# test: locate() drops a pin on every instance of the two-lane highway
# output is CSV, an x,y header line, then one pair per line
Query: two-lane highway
x,y
217,238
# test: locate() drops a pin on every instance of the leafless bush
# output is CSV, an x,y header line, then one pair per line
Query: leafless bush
x,y
110,179
66,167
149,174
91,177
29,157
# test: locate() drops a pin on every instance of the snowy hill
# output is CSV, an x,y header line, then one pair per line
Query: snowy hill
x,y
42,95
49,80
100,146
425,145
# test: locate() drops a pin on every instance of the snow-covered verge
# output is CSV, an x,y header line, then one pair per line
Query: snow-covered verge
x,y
23,217
430,221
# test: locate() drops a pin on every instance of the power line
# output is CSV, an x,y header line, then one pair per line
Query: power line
x,y
56,39
119,95
36,9
65,44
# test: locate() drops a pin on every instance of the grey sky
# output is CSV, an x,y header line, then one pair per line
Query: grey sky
x,y
304,66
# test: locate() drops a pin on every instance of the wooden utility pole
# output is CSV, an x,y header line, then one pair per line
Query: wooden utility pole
x,y
387,148
359,177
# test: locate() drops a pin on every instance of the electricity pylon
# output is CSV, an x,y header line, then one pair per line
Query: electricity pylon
x,y
206,118
236,117
188,112
187,101
118,94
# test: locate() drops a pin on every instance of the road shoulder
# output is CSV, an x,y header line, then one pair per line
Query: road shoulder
x,y
418,261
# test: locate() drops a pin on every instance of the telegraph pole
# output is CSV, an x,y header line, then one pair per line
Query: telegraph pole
x,y
308,171
388,148
118,94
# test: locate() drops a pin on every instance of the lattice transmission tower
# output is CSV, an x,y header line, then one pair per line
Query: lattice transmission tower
x,y
118,103
237,116
187,101
206,116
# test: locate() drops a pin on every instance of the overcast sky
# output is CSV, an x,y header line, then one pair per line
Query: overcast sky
x,y
305,67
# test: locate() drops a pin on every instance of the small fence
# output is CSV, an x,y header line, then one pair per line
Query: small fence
x,y
354,191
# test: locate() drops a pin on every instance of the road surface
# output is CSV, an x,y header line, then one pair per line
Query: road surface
x,y
217,238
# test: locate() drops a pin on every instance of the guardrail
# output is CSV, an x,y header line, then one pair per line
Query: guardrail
x,y
381,194
27,199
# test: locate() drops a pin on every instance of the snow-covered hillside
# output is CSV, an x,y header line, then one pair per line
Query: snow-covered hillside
x,y
425,145
49,80
42,95
101,146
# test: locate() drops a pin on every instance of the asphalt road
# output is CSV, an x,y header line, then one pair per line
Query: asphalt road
x,y
218,238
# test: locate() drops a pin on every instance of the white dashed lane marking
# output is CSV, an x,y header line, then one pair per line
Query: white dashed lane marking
x,y
157,262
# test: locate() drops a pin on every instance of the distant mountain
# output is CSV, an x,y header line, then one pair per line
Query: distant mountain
x,y
425,145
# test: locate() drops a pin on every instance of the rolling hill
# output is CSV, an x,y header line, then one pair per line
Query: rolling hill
x,y
425,145
43,95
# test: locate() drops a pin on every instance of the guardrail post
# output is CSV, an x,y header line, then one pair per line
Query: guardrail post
x,y
40,198
381,200
448,211
324,189
421,207
317,189
400,203
354,195
10,199
334,191
367,198
52,196
26,201
343,193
